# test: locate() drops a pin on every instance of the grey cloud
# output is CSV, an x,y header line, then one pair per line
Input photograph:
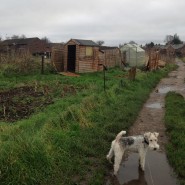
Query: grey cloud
x,y
113,21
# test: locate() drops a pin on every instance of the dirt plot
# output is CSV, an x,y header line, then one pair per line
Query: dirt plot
x,y
21,102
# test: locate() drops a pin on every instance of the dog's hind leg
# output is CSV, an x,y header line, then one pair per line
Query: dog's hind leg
x,y
111,153
118,158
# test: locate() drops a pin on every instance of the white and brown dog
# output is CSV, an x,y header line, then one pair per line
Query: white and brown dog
x,y
139,144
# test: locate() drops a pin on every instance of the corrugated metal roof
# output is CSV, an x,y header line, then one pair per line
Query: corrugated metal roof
x,y
86,42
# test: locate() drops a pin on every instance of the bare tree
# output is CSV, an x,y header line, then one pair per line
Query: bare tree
x,y
15,37
168,38
100,42
132,42
121,45
46,39
7,37
176,39
22,36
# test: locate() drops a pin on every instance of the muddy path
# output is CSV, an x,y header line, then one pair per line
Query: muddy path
x,y
151,118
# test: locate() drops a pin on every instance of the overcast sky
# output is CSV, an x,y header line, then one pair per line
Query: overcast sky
x,y
114,21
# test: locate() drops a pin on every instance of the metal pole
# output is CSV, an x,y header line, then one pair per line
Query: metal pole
x,y
104,69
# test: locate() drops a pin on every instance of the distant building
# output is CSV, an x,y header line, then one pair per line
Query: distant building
x,y
34,46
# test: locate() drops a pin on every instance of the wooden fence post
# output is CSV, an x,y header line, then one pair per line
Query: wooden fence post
x,y
42,65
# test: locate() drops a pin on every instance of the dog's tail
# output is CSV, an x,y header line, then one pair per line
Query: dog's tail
x,y
120,135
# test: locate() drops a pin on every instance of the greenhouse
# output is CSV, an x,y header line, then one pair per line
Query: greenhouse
x,y
133,54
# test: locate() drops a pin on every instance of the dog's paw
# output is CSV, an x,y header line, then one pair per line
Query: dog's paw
x,y
115,174
141,168
109,159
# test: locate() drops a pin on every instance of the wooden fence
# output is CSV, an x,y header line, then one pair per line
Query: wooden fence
x,y
167,58
57,59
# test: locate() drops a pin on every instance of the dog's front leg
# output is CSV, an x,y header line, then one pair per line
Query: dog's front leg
x,y
142,155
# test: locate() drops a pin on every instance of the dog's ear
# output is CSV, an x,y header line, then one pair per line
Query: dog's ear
x,y
156,134
147,134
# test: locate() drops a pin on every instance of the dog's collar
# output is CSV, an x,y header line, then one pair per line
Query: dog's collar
x,y
145,141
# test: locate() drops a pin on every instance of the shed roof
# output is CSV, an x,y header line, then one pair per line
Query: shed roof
x,y
108,47
85,42
134,47
163,47
19,41
178,46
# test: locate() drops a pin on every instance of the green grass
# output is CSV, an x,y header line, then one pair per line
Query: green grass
x,y
175,123
183,59
67,142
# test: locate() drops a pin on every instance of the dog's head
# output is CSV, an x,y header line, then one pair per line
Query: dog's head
x,y
151,139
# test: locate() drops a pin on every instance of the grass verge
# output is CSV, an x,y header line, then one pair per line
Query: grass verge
x,y
175,123
67,142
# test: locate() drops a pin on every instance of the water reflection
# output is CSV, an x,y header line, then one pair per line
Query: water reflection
x,y
140,181
154,105
157,171
164,90
128,173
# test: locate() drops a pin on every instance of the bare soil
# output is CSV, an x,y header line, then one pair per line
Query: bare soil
x,y
21,102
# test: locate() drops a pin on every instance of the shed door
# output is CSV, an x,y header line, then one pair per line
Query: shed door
x,y
71,60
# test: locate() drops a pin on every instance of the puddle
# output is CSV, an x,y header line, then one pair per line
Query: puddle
x,y
157,171
154,105
164,90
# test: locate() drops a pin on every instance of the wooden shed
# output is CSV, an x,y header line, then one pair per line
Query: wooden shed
x,y
81,56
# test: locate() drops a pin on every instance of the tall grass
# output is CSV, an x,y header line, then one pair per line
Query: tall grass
x,y
67,142
175,123
20,64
